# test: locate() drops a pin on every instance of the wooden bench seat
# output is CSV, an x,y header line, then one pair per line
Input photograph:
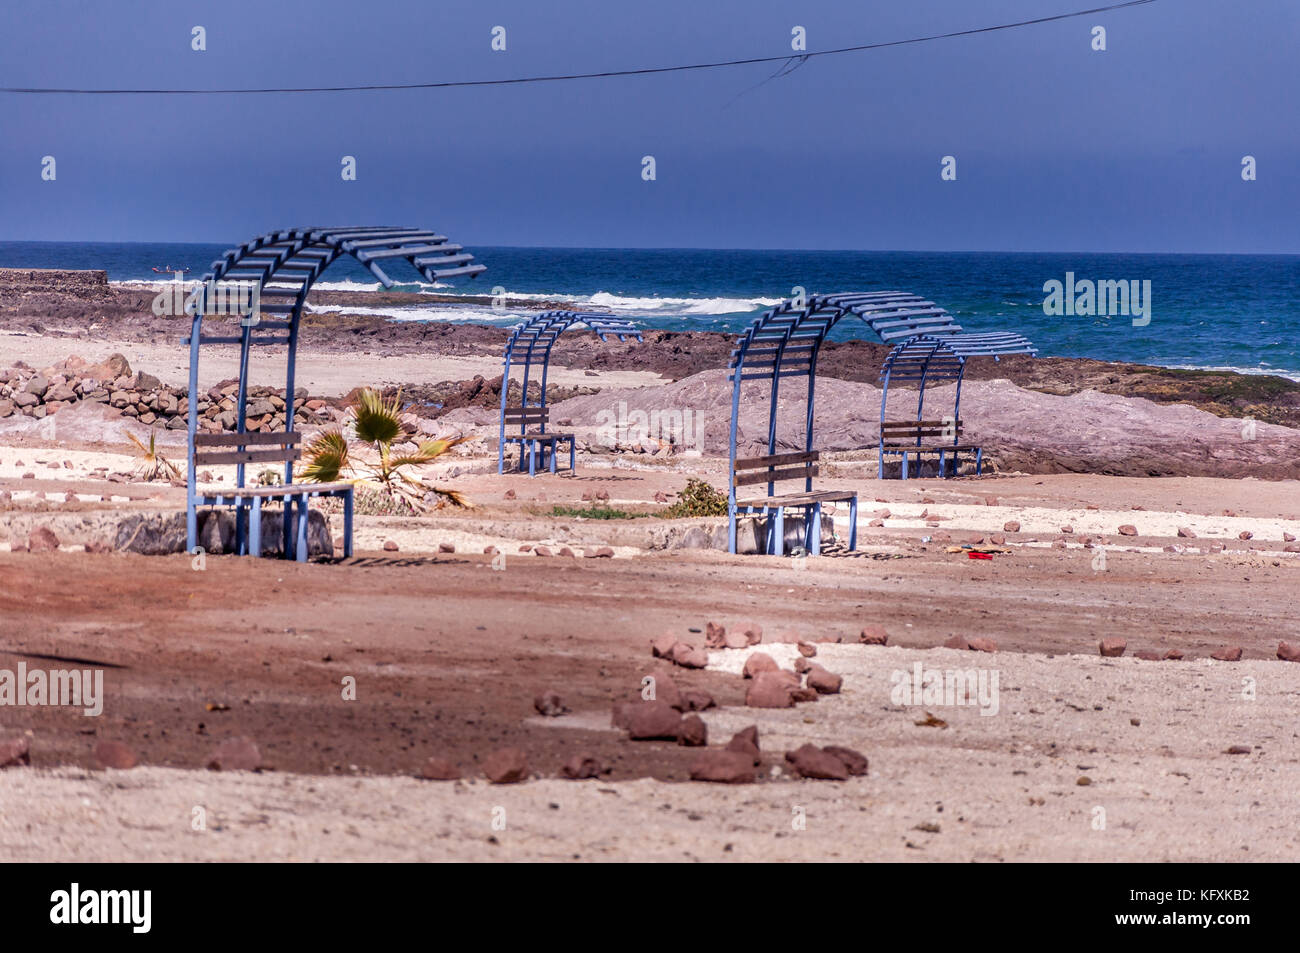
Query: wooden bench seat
x,y
902,438
780,467
539,440
242,449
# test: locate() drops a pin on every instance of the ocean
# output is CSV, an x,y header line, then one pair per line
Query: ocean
x,y
1233,312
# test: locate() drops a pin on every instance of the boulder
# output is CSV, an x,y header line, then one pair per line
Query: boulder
x,y
506,766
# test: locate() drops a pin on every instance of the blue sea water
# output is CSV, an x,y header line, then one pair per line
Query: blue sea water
x,y
1239,312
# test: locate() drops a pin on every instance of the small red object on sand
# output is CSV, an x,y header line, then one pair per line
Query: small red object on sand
x,y
980,555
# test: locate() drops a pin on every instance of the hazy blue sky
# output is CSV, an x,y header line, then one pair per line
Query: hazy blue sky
x,y
1058,147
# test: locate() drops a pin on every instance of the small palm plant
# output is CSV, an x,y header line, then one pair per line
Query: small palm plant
x,y
377,424
152,465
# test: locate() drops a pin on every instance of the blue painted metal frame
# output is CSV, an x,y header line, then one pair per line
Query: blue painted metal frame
x,y
284,265
935,359
785,341
535,338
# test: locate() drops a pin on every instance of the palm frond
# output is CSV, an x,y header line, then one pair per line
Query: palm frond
x,y
327,457
377,420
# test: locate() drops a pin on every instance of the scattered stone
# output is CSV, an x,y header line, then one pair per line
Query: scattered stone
x,y
661,496
647,721
487,550
1186,532
603,552
439,769
1067,529
697,701
446,547
1112,648
769,690
956,642
506,766
1173,655
509,494
42,540
873,635
114,754
1227,653
824,682
803,694
758,663
855,761
723,767
542,551
1288,537
692,732
997,539
666,690
981,644
1148,655
15,752
390,546
1238,749
1011,526
581,767
662,647
753,633
550,704
1128,529
745,742
688,656
236,754
1245,534
809,761
807,649
1288,652
802,665
715,636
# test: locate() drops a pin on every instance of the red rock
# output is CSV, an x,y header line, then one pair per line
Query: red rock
x,y
390,546
566,551
715,636
802,665
688,656
735,639
114,754
1112,648
550,704
487,550
542,551
1173,655
746,742
824,682
799,695
809,761
1227,653
723,767
753,633
956,642
446,548
692,732
1128,529
15,752
439,769
649,720
697,701
666,690
827,638
856,762
873,635
582,767
1148,655
876,524
1288,537
1245,534
605,552
1011,526
807,650
42,540
662,647
759,662
1237,749
1186,532
1067,530
769,690
997,539
236,754
1288,652
526,548
506,766
661,496
981,644
509,494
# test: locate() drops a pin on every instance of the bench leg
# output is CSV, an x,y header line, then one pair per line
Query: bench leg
x,y
255,528
304,512
778,537
943,465
904,471
573,456
814,544
554,448
532,458
979,459
731,530
347,525
853,525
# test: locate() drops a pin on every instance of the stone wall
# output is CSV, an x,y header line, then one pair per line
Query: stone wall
x,y
78,284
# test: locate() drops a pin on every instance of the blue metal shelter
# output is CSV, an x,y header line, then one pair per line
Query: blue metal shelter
x,y
279,268
785,340
530,344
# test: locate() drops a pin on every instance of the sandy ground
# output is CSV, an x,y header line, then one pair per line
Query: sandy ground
x,y
1149,738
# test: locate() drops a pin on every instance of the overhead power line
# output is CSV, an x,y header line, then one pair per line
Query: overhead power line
x,y
605,74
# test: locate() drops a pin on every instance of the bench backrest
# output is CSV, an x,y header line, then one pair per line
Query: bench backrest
x,y
772,469
913,431
246,448
524,417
